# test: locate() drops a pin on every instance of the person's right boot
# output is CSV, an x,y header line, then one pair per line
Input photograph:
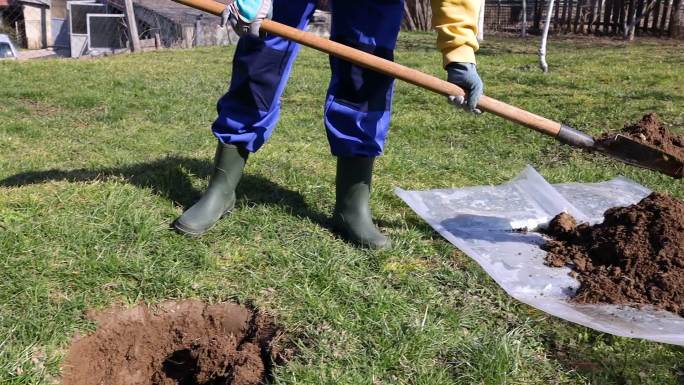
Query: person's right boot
x,y
352,216
219,198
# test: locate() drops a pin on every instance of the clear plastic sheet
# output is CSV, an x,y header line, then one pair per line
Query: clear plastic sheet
x,y
481,222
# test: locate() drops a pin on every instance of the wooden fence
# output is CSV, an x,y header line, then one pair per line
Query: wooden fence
x,y
600,17
626,18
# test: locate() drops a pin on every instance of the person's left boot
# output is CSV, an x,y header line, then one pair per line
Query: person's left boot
x,y
352,216
219,198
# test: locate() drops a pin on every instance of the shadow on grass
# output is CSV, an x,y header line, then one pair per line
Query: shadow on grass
x,y
171,177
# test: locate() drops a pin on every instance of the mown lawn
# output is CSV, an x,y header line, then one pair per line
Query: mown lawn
x,y
99,156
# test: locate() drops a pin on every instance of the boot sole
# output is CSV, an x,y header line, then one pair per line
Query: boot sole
x,y
186,230
343,232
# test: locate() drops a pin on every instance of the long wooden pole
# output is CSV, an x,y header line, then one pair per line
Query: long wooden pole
x,y
395,70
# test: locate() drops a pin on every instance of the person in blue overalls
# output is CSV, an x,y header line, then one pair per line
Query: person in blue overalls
x,y
357,106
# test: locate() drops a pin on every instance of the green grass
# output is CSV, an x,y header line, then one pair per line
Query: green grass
x,y
99,156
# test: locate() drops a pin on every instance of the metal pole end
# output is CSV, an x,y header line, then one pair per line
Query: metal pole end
x,y
575,138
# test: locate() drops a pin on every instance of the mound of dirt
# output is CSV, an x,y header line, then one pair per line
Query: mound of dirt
x,y
649,130
175,343
634,257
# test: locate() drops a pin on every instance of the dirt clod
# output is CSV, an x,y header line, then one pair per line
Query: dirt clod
x,y
562,225
634,257
175,343
650,130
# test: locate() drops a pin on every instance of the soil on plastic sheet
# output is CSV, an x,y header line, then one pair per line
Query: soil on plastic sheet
x,y
634,257
650,130
175,343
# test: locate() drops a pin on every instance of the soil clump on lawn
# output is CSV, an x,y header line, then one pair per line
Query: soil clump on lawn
x,y
650,130
634,257
175,343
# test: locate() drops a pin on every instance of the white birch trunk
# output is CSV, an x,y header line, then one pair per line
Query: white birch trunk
x,y
480,21
635,21
631,25
545,35
523,33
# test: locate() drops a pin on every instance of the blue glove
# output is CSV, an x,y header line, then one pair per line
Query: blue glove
x,y
465,76
245,16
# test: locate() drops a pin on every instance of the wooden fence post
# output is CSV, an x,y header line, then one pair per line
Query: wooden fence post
x,y
607,9
656,12
564,16
578,14
667,4
132,26
555,18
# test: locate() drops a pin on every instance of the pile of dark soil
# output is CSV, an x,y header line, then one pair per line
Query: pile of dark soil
x,y
649,130
634,257
175,343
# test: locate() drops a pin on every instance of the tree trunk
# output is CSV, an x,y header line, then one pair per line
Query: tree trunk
x,y
638,10
542,50
523,31
480,21
630,28
675,29
565,15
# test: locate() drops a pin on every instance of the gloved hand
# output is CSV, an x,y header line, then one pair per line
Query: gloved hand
x,y
245,16
465,76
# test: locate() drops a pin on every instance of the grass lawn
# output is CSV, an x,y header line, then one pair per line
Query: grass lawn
x,y
99,156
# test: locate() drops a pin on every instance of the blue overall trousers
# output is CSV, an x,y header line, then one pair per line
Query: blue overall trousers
x,y
358,102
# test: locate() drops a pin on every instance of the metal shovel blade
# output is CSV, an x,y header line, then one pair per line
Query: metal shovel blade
x,y
643,155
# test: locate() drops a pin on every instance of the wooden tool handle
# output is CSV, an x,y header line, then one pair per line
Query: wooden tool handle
x,y
395,70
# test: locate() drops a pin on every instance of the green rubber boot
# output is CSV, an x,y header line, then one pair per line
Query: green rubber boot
x,y
219,198
352,215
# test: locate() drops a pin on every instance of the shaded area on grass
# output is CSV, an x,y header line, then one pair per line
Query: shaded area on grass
x,y
171,177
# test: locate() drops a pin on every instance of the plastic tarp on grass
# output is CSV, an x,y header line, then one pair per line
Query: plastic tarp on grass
x,y
482,222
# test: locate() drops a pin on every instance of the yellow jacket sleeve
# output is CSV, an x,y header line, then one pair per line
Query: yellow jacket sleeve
x,y
456,25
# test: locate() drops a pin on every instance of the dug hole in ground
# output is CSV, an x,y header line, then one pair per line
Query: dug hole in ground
x,y
175,343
